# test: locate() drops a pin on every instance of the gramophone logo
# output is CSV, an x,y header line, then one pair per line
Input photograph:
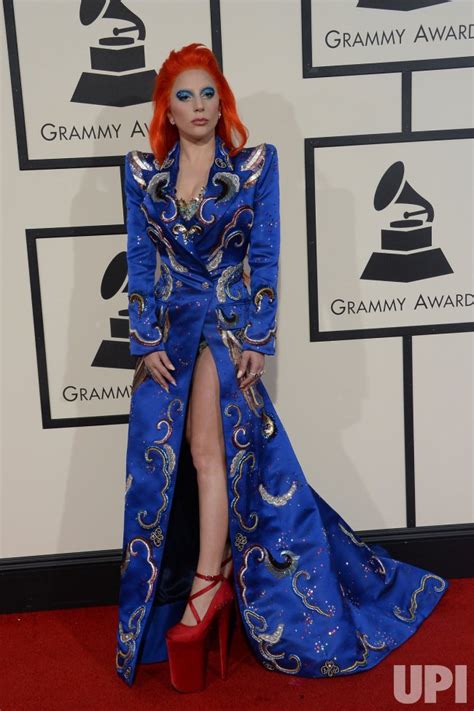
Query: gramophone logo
x,y
401,5
114,351
118,76
407,253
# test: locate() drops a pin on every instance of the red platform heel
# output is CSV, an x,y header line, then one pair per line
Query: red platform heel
x,y
187,644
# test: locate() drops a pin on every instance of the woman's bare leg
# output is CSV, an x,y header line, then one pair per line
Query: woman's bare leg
x,y
205,436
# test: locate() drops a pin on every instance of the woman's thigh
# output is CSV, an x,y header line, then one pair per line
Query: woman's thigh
x,y
204,423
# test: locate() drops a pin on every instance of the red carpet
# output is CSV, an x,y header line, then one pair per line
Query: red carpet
x,y
64,661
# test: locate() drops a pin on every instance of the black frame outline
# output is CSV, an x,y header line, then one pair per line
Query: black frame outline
x,y
405,69
311,72
25,163
406,333
32,235
311,144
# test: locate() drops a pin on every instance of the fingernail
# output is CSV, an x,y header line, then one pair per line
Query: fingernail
x,y
172,366
239,373
174,382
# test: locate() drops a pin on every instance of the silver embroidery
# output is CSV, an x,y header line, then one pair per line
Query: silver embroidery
x,y
265,640
236,471
231,182
138,163
255,163
277,500
156,184
229,276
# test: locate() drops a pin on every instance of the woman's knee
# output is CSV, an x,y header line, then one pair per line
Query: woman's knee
x,y
207,455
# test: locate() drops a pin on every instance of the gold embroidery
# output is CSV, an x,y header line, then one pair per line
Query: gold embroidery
x,y
157,536
140,302
134,334
268,425
185,232
304,596
187,208
260,341
155,233
123,659
413,604
264,291
330,668
229,233
149,558
169,461
138,163
255,163
240,541
237,429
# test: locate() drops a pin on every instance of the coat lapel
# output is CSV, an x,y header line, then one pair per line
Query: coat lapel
x,y
222,185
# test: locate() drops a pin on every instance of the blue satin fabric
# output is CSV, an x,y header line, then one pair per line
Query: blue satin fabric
x,y
315,600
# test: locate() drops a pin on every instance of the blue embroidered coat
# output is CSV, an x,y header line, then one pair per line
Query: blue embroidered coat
x,y
315,600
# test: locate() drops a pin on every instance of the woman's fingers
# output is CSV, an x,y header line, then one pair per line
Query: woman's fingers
x,y
165,372
244,357
251,364
166,360
157,364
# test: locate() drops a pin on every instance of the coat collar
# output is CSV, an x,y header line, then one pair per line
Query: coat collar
x,y
169,169
223,184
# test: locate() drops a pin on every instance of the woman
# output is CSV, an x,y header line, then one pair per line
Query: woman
x,y
207,453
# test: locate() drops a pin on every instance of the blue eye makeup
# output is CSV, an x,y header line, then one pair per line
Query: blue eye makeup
x,y
183,94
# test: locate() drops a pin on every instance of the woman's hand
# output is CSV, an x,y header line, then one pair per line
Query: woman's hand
x,y
251,366
157,364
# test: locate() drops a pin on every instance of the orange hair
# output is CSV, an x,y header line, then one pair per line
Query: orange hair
x,y
162,134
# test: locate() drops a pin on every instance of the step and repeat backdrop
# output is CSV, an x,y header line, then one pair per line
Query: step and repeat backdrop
x,y
371,106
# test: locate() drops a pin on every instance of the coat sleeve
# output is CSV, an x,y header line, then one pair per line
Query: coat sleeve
x,y
263,258
145,334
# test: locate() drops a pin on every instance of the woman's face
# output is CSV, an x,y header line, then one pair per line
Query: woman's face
x,y
194,96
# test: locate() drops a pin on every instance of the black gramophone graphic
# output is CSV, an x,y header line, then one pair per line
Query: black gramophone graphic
x,y
115,351
409,254
114,80
404,5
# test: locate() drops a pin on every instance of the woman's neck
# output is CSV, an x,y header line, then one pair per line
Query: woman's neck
x,y
199,155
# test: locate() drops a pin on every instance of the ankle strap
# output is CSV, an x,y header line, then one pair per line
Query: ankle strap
x,y
219,576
